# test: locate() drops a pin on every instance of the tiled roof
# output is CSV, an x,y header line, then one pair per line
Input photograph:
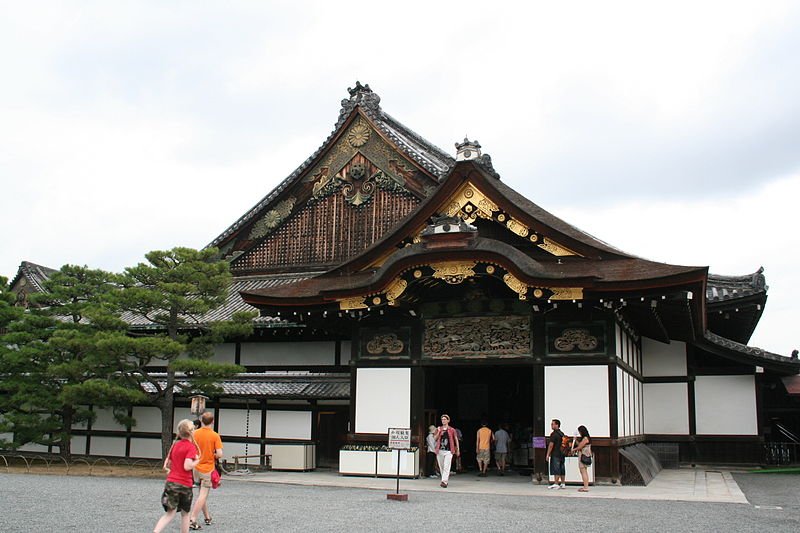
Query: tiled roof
x,y
722,288
759,356
233,302
428,156
34,274
283,385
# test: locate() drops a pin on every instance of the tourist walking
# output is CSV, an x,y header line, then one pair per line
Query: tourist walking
x,y
210,445
446,448
583,449
182,457
501,439
430,456
483,447
555,455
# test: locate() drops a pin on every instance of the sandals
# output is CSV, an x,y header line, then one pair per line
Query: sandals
x,y
194,526
583,490
443,485
208,521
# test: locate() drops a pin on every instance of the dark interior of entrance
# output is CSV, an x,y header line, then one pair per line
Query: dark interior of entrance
x,y
501,394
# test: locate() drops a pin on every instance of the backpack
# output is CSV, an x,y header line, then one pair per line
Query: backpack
x,y
566,448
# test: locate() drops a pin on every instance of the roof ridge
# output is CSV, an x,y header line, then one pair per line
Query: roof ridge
x,y
368,102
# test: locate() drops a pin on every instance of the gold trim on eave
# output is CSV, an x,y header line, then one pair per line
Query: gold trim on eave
x,y
566,293
453,272
356,302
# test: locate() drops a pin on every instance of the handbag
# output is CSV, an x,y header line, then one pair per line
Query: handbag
x,y
586,459
216,480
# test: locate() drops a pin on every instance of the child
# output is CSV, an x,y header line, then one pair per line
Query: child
x,y
180,461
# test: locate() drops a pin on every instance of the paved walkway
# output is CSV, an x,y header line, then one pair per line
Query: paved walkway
x,y
684,484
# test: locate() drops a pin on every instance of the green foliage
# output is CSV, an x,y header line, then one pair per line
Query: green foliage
x,y
75,345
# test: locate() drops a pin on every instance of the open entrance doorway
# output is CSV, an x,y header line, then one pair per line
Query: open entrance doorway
x,y
503,394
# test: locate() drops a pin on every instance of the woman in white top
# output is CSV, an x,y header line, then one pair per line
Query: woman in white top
x,y
583,449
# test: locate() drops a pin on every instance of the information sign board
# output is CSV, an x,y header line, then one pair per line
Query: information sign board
x,y
399,438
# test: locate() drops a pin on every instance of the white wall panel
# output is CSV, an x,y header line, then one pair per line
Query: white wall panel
x,y
105,421
235,422
147,419
659,359
666,408
617,340
33,448
620,404
178,414
114,446
289,425
237,448
383,399
78,445
224,353
145,448
726,405
577,395
288,353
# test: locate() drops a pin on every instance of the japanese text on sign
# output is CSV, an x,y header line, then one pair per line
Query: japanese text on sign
x,y
399,438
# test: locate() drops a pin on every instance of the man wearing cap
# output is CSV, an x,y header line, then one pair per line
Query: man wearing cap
x,y
446,448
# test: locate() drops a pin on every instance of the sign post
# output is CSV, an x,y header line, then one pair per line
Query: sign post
x,y
399,439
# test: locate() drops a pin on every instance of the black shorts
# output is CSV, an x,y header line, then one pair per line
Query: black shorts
x,y
176,496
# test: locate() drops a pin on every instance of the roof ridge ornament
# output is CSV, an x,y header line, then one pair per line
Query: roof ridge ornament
x,y
360,95
468,150
471,151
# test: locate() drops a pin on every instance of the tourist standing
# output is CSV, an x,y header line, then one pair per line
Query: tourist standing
x,y
483,447
583,449
210,445
555,455
182,457
430,456
446,448
501,439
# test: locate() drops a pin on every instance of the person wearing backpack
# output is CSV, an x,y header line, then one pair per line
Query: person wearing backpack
x,y
555,455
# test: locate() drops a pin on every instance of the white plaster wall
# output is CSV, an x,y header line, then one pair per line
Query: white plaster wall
x,y
145,448
288,353
234,422
726,405
178,414
618,340
659,359
107,446
666,408
577,395
33,448
78,445
620,404
289,425
224,353
383,399
147,419
105,421
237,448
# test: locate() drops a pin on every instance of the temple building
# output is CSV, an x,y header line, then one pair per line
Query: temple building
x,y
396,282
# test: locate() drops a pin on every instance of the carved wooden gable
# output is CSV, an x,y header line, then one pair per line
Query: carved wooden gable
x,y
357,191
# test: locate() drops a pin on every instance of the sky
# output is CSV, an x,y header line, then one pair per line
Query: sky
x,y
671,131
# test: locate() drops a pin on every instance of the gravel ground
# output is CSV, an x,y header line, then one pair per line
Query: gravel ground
x,y
30,502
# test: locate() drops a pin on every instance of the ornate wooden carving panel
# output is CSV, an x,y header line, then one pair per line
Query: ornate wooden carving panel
x,y
327,232
477,337
385,343
576,338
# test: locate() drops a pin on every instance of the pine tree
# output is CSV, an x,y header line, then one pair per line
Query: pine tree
x,y
171,293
